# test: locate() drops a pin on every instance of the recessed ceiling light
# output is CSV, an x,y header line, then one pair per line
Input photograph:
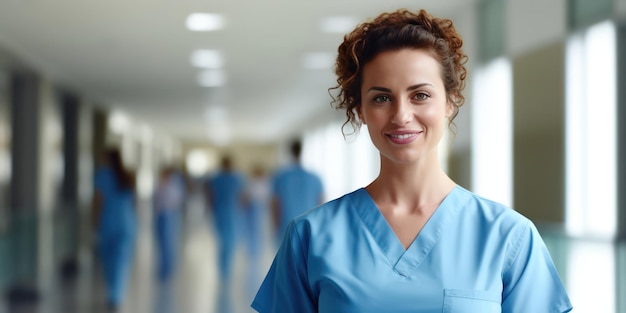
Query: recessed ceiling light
x,y
319,60
204,22
212,78
338,24
118,122
207,59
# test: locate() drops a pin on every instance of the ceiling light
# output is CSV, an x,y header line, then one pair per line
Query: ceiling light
x,y
207,59
118,122
338,24
319,60
212,78
204,22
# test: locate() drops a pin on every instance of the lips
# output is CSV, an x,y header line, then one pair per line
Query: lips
x,y
403,137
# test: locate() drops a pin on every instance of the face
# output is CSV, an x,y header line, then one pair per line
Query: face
x,y
404,105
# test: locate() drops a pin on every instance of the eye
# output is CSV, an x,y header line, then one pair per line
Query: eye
x,y
381,99
421,96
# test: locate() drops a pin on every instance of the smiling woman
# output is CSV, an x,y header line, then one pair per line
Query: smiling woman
x,y
412,240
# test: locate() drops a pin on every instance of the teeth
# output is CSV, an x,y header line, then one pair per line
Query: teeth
x,y
405,136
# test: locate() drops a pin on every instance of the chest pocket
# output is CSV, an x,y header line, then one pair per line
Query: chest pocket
x,y
471,301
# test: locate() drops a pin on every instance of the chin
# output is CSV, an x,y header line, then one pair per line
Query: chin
x,y
402,159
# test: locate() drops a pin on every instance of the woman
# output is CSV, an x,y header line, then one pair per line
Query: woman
x,y
168,202
114,213
412,240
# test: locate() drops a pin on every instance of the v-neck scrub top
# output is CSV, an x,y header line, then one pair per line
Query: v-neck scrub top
x,y
473,255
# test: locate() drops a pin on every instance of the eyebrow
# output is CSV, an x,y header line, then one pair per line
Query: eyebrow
x,y
413,87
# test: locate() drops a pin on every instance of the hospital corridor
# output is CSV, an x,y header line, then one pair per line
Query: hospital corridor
x,y
153,153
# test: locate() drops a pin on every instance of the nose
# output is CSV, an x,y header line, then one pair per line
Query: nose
x,y
401,114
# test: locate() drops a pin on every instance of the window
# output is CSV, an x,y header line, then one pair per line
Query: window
x,y
492,140
591,135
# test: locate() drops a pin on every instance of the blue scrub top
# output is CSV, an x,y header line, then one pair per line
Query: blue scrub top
x,y
117,215
297,190
473,255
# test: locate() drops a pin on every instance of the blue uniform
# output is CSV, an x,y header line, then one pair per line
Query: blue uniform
x,y
226,190
169,199
116,232
473,255
296,190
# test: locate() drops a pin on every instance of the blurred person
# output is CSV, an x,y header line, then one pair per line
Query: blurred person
x,y
412,240
115,221
294,190
225,197
257,198
169,199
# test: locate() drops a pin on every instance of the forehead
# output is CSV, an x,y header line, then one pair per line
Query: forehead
x,y
402,65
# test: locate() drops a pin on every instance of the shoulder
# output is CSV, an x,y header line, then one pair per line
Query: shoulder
x,y
490,221
490,211
279,173
327,216
315,176
515,229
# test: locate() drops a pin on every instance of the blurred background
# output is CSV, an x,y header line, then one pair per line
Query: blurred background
x,y
179,84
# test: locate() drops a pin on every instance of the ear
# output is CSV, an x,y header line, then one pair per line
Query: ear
x,y
449,109
360,114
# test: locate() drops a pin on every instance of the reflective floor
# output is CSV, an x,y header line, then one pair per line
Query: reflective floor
x,y
593,271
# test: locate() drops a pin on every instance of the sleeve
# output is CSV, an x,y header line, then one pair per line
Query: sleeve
x,y
531,282
286,288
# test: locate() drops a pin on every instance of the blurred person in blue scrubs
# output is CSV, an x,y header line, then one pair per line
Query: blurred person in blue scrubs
x,y
412,240
116,225
169,198
255,211
225,197
294,190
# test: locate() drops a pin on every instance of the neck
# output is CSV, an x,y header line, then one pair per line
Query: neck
x,y
416,186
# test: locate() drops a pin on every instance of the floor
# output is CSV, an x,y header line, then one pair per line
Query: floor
x,y
594,272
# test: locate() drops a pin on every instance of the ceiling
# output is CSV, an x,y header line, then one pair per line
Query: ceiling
x,y
135,56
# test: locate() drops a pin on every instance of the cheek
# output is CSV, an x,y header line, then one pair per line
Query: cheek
x,y
434,116
431,113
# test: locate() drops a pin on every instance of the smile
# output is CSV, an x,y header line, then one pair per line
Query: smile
x,y
403,138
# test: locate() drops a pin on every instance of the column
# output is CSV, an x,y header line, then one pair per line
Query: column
x,y
67,217
621,130
24,194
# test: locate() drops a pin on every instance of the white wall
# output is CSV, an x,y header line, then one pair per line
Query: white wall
x,y
535,23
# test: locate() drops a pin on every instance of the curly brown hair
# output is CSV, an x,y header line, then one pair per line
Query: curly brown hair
x,y
394,31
